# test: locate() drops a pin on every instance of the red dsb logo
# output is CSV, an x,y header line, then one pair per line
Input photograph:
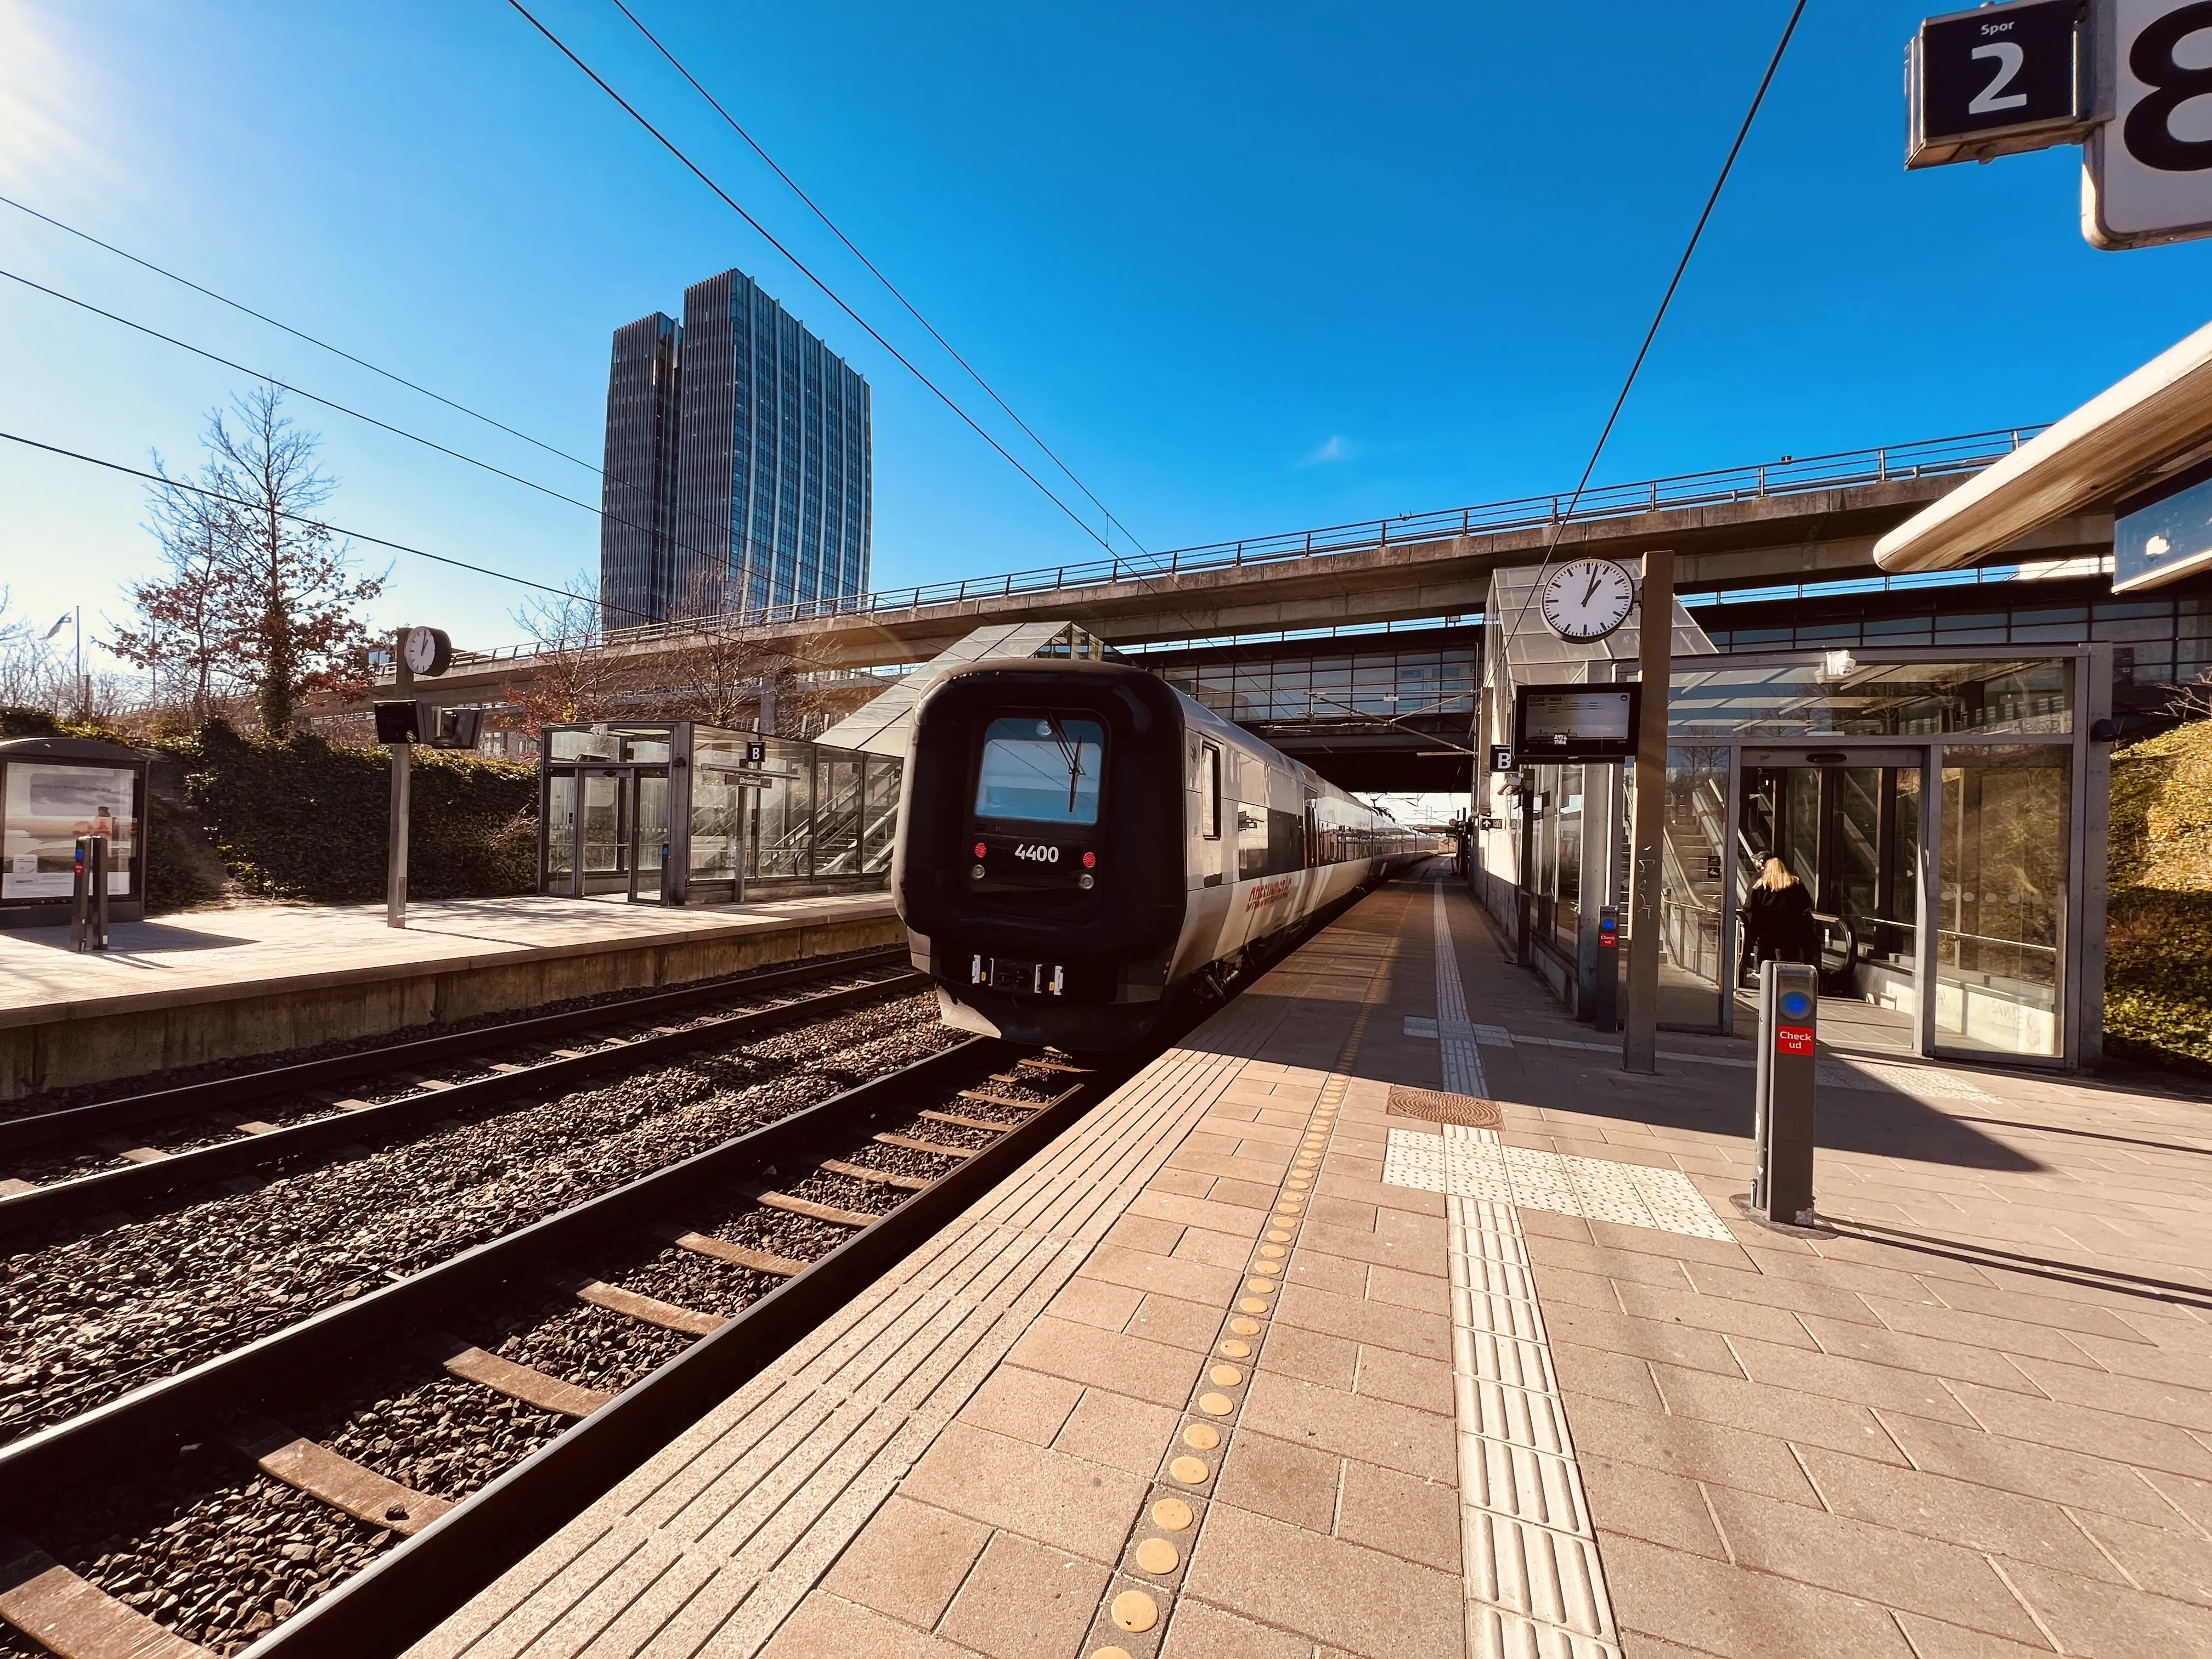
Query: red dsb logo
x,y
1793,1039
1268,892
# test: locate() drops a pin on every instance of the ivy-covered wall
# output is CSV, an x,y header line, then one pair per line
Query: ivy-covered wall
x,y
307,819
2158,970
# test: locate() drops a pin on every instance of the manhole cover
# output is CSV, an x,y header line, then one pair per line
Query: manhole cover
x,y
1435,1106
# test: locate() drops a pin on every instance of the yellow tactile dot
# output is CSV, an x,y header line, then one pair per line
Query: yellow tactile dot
x,y
1224,1376
1111,1653
1172,1515
1200,1436
1191,1471
1133,1610
1279,1236
1157,1555
1273,1252
1260,1286
1236,1350
1298,1183
1245,1326
1216,1404
1252,1305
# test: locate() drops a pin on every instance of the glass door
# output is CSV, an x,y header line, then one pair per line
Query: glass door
x,y
648,841
1692,889
602,826
2001,901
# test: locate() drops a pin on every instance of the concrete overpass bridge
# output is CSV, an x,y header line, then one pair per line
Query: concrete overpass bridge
x,y
1735,528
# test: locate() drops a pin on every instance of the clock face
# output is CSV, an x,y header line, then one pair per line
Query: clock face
x,y
426,650
1588,598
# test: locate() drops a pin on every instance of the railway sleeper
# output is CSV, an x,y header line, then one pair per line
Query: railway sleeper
x,y
524,1382
937,1146
73,1616
878,1177
807,1207
958,1121
986,1098
636,1305
333,1478
738,1255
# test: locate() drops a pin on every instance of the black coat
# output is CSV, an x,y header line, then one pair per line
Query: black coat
x,y
1778,920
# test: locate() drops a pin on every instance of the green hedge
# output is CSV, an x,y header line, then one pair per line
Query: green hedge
x,y
2158,979
305,819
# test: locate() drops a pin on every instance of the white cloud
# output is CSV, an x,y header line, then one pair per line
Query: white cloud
x,y
45,105
1336,449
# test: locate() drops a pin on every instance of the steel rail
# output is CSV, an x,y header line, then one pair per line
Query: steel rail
x,y
404,1593
109,1189
217,1094
37,1470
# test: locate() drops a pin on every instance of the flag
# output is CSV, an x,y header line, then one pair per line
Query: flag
x,y
58,626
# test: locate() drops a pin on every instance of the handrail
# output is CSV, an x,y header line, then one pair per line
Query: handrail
x,y
1927,459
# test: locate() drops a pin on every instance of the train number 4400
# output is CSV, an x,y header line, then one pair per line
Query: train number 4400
x,y
1038,854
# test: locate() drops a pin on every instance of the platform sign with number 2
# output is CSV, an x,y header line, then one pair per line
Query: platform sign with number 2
x,y
2147,171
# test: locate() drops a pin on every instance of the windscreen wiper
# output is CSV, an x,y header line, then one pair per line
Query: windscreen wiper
x,y
1070,753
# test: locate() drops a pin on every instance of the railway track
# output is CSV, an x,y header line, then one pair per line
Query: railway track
x,y
92,1159
281,1494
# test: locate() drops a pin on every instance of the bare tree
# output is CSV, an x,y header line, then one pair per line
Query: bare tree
x,y
32,674
254,579
574,676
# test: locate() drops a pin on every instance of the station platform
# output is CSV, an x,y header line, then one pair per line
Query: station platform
x,y
253,980
1386,1316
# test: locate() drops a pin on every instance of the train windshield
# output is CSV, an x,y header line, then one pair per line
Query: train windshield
x,y
1041,770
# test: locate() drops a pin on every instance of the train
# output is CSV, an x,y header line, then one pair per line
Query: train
x,y
1080,846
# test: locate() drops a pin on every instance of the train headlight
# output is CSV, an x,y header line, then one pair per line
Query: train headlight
x,y
978,870
1084,880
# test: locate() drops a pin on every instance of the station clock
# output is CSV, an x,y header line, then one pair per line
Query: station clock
x,y
1588,598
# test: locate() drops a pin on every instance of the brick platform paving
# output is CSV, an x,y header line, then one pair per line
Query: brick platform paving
x,y
1247,1365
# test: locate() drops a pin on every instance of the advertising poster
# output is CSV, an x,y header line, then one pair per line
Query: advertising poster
x,y
44,808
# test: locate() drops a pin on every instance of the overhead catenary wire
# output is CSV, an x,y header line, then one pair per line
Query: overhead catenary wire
x,y
808,271
1559,521
304,519
890,286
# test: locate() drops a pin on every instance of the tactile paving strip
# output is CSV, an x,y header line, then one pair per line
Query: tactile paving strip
x,y
1465,1166
1535,1586
1133,1612
1435,1106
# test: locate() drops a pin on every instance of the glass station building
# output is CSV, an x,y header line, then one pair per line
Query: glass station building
x,y
668,812
1946,807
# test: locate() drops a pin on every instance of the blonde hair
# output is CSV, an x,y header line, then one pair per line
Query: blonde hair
x,y
1775,876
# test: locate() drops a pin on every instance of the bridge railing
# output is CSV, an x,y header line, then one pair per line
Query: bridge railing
x,y
1931,457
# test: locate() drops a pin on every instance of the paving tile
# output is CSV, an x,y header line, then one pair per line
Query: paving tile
x,y
1644,1339
1237,1220
1024,1404
908,1561
1341,1213
1628,1266
1402,1328
1961,1325
1293,1483
1926,1356
1648,1504
1352,1425
1574,1289
2107,1621
1933,1639
1622,1378
2084,1429
1094,1301
2191,1497
1769,1290
1976,1516
1134,1365
828,1627
1317,1357
1175,1323
1143,1232
2188,1405
1386,1374
1418,1255
1241,1194
1858,1557
1711,1313
1162,1275
1726,1611
1838,1377
1783,1412
1400,1516
1358,1600
2034,1471
2163,1561
1118,1431
1400,1287
1022,1600
1689,1447
1048,1495
1330,1275
1192,1183
1196,1631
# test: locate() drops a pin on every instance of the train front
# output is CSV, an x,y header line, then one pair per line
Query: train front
x,y
1040,861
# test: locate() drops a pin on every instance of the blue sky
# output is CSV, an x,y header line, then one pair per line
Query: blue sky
x,y
1247,269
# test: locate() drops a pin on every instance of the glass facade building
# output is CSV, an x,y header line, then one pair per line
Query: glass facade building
x,y
637,496
766,498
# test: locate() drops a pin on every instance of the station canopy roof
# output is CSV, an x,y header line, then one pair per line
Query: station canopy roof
x,y
2153,423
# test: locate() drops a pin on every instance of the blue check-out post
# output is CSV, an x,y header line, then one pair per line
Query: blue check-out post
x,y
1787,1081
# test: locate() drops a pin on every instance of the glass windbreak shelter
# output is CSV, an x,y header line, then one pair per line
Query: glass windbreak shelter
x,y
1944,810
670,812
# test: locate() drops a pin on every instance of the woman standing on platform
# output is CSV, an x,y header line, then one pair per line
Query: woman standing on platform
x,y
1778,915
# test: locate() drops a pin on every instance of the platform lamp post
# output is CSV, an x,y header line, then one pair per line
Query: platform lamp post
x,y
1655,650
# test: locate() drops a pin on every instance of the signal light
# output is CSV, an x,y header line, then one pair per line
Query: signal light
x,y
979,849
1091,860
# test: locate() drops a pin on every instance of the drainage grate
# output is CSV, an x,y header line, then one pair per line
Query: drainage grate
x,y
1435,1106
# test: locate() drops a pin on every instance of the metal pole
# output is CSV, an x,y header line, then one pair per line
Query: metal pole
x,y
1654,649
395,857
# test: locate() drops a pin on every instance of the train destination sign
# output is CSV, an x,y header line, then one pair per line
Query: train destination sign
x,y
1995,81
1575,722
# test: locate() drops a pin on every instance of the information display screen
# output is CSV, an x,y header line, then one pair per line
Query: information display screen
x,y
1575,722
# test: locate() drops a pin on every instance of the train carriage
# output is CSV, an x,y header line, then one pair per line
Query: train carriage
x,y
1079,841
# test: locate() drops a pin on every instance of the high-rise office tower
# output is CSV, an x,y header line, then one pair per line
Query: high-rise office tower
x,y
773,484
637,497
738,463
